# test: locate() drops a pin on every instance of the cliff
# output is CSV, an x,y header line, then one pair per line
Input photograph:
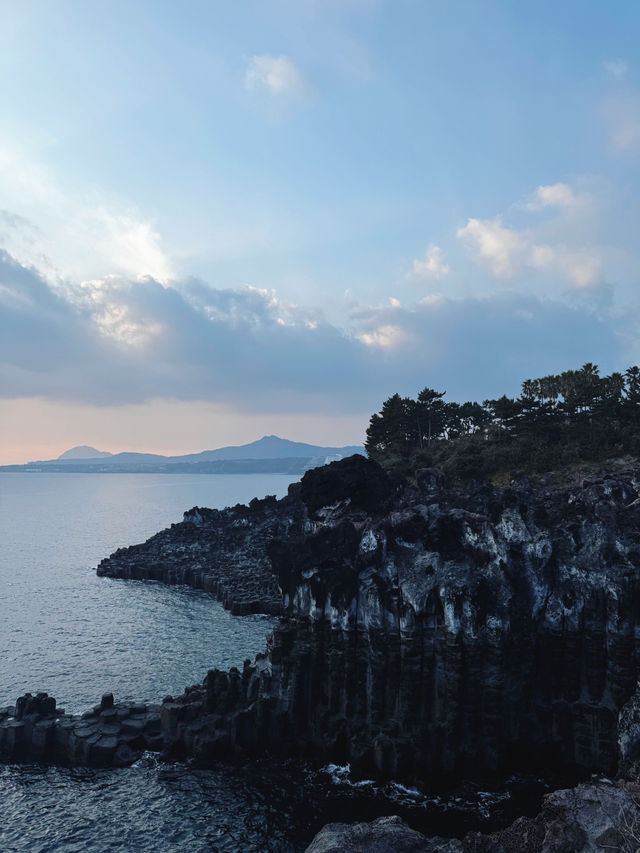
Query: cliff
x,y
424,632
439,633
222,552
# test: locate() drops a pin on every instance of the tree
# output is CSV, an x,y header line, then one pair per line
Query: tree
x,y
632,381
504,413
558,418
393,430
430,415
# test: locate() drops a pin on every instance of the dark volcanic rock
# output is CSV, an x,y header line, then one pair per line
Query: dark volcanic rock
x,y
356,481
629,737
35,731
584,819
385,835
41,705
441,634
425,632
220,551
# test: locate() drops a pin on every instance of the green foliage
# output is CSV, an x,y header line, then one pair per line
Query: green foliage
x,y
576,416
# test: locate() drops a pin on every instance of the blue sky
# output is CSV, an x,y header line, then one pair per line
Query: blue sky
x,y
268,216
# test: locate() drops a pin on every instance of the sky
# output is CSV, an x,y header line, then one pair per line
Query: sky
x,y
222,220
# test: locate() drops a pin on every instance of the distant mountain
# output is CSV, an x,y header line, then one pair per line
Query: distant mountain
x,y
83,451
270,454
268,447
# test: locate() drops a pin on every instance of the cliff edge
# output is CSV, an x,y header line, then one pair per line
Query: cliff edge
x,y
429,631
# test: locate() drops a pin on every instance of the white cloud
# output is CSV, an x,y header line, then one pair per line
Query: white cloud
x,y
564,245
136,245
88,235
501,249
433,265
433,300
276,74
509,252
560,196
617,67
582,267
384,337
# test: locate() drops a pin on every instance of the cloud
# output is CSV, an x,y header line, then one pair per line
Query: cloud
x,y
384,337
135,246
433,265
622,116
582,267
501,249
627,133
112,304
563,244
559,196
275,74
478,347
616,68
510,253
87,234
115,342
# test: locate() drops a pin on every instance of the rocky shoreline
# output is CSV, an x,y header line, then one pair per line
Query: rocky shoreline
x,y
109,734
223,552
424,633
584,819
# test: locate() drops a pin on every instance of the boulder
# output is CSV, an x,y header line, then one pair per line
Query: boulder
x,y
385,835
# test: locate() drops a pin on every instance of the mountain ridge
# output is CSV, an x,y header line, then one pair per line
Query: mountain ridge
x,y
268,454
83,451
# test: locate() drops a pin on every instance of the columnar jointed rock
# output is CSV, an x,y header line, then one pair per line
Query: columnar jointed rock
x,y
438,633
107,735
220,551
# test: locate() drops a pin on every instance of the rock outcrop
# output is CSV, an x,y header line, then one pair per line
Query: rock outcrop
x,y
384,835
586,819
222,552
424,632
108,735
440,634
443,634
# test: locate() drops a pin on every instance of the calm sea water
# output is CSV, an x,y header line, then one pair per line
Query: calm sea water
x,y
66,631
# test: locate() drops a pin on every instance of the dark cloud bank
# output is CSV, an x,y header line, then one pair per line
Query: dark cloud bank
x,y
120,342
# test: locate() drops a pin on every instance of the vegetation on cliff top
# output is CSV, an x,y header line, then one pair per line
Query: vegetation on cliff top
x,y
574,417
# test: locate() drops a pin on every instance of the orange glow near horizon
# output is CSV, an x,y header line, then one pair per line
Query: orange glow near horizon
x,y
34,429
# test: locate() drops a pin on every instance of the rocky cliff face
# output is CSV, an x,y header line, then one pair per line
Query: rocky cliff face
x,y
430,632
224,553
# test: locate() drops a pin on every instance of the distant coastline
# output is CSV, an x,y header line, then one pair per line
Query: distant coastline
x,y
290,465
268,455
